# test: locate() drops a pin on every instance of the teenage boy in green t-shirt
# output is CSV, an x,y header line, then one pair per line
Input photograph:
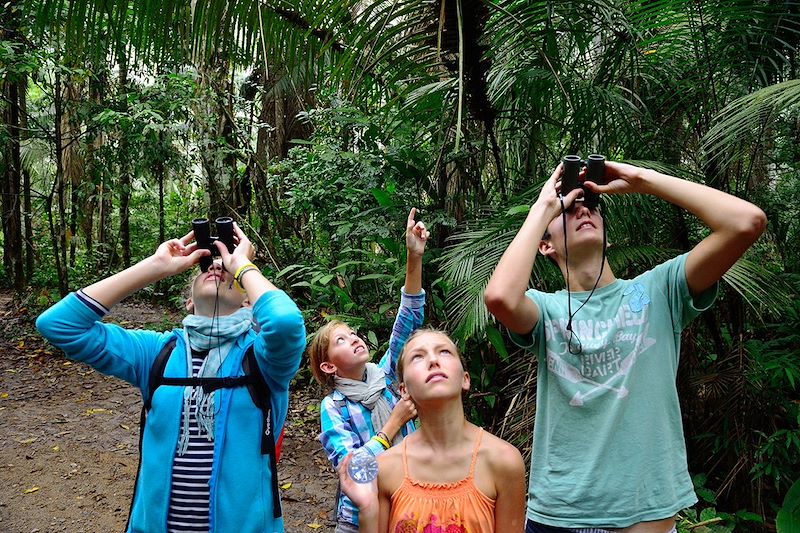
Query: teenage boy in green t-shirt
x,y
608,446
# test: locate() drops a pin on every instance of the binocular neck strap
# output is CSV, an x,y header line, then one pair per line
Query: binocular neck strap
x,y
572,333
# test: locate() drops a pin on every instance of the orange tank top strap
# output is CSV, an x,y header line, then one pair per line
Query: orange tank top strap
x,y
405,461
475,449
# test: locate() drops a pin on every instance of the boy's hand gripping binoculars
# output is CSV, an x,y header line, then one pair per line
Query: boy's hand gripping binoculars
x,y
595,172
204,239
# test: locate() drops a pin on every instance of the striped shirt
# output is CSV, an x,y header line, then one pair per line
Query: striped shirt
x,y
191,472
347,425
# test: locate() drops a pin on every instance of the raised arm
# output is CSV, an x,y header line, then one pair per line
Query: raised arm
x,y
735,224
282,334
416,238
170,258
412,300
74,324
505,293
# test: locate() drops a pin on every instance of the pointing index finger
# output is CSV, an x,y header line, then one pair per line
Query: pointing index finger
x,y
410,222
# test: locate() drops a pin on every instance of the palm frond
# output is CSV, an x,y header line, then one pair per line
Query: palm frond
x,y
746,119
764,290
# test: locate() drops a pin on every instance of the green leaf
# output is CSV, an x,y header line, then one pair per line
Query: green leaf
x,y
496,338
367,277
706,495
490,399
791,502
747,516
518,210
372,338
383,198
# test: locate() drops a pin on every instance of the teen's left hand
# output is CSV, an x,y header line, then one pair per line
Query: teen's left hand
x,y
416,235
243,253
621,178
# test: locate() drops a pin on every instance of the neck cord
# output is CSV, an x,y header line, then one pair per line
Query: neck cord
x,y
572,334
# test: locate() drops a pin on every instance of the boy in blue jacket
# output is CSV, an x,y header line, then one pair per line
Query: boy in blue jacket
x,y
202,466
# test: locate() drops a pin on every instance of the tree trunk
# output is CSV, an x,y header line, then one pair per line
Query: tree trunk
x,y
72,161
218,140
57,228
94,192
124,167
12,215
27,213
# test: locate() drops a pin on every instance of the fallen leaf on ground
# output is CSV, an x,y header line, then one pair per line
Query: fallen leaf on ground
x,y
314,525
286,486
31,490
95,410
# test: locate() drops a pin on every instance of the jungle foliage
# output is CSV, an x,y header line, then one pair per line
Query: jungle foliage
x,y
319,123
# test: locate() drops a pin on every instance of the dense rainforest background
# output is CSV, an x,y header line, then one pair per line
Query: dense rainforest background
x,y
317,124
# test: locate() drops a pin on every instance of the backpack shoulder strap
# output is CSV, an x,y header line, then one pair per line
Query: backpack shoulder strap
x,y
262,398
157,371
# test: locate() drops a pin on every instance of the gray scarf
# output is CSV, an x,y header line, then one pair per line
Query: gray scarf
x,y
369,393
217,335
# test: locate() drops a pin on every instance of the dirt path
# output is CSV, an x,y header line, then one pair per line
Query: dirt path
x,y
69,439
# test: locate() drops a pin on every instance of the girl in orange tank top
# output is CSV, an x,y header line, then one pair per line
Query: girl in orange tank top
x,y
447,507
449,476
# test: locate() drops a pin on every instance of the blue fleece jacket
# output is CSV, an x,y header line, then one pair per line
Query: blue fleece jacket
x,y
241,496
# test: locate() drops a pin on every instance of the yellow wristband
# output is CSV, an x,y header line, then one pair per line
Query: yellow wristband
x,y
238,273
382,442
237,278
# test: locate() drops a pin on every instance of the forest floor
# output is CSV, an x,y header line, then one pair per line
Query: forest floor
x,y
69,438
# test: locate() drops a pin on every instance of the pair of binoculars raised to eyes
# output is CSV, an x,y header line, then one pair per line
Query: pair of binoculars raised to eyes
x,y
204,239
595,172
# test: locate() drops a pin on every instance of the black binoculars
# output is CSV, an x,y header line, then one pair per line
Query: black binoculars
x,y
204,239
595,172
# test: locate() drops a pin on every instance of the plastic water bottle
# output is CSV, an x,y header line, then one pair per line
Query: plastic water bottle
x,y
363,466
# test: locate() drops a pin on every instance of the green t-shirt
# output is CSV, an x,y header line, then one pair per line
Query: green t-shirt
x,y
608,446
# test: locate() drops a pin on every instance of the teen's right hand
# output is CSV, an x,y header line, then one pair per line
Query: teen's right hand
x,y
177,255
551,190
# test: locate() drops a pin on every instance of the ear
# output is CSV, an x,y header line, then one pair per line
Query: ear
x,y
327,367
403,392
546,248
466,383
189,305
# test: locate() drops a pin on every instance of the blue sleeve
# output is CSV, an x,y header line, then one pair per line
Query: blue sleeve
x,y
409,317
74,326
340,435
281,339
